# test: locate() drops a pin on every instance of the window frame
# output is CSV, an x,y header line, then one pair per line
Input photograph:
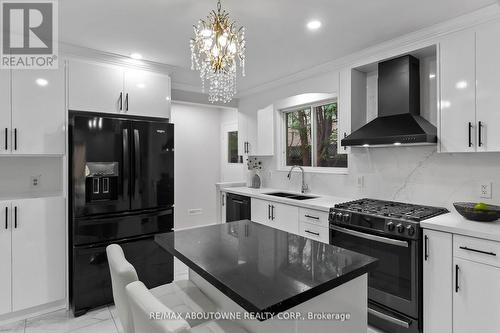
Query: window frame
x,y
283,141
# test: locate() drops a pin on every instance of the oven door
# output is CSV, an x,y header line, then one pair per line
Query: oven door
x,y
394,281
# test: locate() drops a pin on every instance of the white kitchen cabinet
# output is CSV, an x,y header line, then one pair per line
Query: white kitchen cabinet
x,y
265,132
437,281
285,217
488,87
344,108
260,211
112,89
247,132
5,111
38,251
276,215
457,108
5,258
475,300
38,111
94,87
314,231
147,94
313,216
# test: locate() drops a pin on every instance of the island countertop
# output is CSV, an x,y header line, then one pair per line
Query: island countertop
x,y
263,269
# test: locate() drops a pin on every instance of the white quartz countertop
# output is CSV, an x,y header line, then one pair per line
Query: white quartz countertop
x,y
456,224
321,202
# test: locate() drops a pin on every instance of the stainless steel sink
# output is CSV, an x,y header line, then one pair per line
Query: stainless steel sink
x,y
291,195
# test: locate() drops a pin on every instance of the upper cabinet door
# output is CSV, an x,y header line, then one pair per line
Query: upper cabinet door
x,y
5,258
38,111
488,87
458,97
5,120
96,88
38,247
147,94
265,131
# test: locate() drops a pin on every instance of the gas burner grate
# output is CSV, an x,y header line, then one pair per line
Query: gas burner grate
x,y
392,209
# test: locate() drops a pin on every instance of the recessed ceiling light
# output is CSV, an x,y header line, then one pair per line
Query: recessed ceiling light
x,y
313,25
136,56
42,82
461,84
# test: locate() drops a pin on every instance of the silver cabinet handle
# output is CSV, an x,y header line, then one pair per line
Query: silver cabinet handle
x,y
312,233
312,217
477,251
371,237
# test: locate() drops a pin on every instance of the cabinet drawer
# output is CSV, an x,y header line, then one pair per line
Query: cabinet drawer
x,y
476,249
313,231
313,216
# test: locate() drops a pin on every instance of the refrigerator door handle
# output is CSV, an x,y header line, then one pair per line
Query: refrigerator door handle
x,y
126,161
137,161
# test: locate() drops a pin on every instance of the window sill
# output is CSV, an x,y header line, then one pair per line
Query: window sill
x,y
333,171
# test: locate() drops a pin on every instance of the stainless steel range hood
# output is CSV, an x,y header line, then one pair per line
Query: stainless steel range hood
x,y
399,121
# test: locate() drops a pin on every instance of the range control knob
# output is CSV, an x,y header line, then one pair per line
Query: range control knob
x,y
411,230
390,226
346,218
338,217
401,228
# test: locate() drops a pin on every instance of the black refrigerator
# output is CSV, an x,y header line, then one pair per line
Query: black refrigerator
x,y
121,190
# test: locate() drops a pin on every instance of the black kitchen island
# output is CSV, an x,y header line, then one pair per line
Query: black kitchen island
x,y
255,269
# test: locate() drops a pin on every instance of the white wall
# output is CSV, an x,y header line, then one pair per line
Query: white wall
x,y
412,174
16,173
197,162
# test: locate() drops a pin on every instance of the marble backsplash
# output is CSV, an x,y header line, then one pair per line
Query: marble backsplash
x,y
415,174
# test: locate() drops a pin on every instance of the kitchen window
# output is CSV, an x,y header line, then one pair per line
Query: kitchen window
x,y
311,136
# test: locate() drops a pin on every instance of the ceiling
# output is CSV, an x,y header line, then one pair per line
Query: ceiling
x,y
278,43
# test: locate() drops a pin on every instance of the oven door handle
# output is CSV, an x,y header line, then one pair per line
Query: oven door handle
x,y
371,237
390,319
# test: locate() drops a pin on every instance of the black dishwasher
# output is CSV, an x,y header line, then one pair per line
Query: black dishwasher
x,y
237,207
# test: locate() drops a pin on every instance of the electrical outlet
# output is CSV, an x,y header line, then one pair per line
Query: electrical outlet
x,y
485,192
195,211
35,181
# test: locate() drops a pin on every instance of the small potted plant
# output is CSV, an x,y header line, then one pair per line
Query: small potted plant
x,y
254,165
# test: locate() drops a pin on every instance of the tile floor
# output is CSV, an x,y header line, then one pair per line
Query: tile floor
x,y
102,320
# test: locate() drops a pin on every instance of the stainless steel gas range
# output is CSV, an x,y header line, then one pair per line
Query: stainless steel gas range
x,y
389,231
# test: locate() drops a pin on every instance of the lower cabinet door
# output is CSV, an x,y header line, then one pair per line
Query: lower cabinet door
x,y
5,258
285,217
260,211
38,247
437,276
476,306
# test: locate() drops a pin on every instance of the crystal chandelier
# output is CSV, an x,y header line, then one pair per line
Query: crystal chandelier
x,y
216,47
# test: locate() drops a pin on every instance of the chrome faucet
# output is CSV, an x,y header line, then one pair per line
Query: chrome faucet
x,y
305,188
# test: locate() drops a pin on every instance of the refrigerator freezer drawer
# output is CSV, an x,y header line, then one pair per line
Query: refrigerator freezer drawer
x,y
109,228
90,277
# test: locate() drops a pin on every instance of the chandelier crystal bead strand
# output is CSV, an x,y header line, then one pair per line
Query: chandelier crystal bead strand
x,y
216,49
